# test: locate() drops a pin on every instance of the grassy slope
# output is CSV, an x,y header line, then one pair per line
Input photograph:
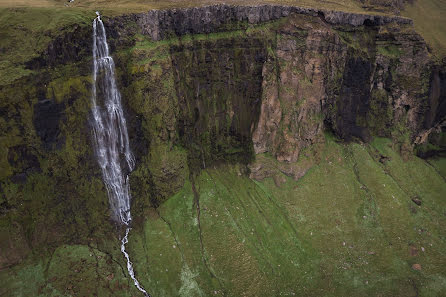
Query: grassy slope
x,y
72,270
439,164
348,227
430,21
25,33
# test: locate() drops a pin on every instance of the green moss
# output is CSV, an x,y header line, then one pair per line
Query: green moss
x,y
401,137
380,114
63,89
391,51
52,191
33,29
167,245
427,148
169,169
70,270
439,164
361,40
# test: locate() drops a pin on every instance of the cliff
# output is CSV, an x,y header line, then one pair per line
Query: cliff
x,y
209,19
258,91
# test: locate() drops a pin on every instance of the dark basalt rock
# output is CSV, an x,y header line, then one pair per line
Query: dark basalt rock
x,y
416,201
211,78
356,19
75,45
384,159
72,46
24,161
159,24
354,99
434,124
46,119
437,97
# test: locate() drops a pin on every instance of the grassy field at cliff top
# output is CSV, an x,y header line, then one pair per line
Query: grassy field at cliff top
x,y
120,6
430,21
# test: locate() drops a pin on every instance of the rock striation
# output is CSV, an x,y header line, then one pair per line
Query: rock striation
x,y
159,24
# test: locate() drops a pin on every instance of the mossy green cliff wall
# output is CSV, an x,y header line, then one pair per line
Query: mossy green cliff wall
x,y
194,101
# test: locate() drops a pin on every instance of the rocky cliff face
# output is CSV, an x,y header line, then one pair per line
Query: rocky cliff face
x,y
159,24
385,68
204,86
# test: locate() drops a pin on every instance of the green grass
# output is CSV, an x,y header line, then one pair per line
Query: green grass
x,y
26,32
344,228
72,270
391,51
347,228
440,165
126,6
429,21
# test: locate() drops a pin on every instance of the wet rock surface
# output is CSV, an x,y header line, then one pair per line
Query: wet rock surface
x,y
47,117
355,99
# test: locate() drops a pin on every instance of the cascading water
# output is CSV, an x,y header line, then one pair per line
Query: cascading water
x,y
110,137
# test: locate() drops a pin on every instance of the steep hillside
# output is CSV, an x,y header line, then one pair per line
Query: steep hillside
x,y
275,153
350,226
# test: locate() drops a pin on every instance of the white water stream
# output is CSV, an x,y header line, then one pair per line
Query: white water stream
x,y
111,140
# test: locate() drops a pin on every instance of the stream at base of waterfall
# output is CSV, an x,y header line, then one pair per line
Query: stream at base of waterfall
x,y
110,137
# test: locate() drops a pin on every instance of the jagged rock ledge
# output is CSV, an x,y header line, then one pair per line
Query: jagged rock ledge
x,y
158,24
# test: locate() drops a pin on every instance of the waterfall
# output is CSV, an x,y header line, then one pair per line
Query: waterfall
x,y
110,137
